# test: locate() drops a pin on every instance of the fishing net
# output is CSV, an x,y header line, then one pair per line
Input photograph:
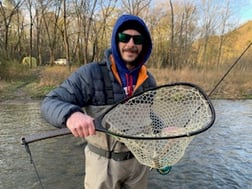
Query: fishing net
x,y
159,124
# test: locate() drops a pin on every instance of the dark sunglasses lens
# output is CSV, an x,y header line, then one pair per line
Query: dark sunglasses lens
x,y
138,39
124,37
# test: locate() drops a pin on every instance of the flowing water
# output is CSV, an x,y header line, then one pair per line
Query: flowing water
x,y
221,157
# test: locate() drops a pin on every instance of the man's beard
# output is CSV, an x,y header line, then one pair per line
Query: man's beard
x,y
135,51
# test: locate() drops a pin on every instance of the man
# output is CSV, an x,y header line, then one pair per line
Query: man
x,y
108,163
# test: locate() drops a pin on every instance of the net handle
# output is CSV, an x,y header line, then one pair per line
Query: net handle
x,y
44,135
56,133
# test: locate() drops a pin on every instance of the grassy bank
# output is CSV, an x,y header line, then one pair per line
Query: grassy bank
x,y
36,83
236,85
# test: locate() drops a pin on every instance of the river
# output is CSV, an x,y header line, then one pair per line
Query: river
x,y
220,158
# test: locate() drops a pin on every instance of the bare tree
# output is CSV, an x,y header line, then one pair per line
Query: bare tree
x,y
225,15
40,43
50,15
29,4
186,34
171,52
157,19
38,36
85,12
208,16
66,42
7,12
178,24
102,28
134,7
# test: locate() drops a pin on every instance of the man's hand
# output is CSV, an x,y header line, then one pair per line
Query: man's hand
x,y
81,125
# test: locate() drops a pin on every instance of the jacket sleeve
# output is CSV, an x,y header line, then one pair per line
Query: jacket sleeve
x,y
68,98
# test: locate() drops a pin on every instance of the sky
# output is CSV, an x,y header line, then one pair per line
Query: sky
x,y
243,9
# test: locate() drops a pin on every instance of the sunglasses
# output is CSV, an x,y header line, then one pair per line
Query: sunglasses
x,y
124,38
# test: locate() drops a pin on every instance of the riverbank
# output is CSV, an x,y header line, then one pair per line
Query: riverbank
x,y
36,83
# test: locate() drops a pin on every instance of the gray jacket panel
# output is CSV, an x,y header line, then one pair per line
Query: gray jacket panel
x,y
83,88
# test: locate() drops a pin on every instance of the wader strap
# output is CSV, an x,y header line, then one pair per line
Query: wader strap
x,y
108,90
107,83
117,156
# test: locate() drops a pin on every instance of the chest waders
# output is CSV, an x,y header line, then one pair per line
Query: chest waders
x,y
109,100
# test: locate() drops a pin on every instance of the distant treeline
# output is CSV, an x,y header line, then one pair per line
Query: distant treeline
x,y
192,33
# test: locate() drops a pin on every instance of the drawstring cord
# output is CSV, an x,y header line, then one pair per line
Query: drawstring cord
x,y
129,83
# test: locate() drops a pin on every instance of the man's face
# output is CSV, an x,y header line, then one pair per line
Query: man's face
x,y
130,46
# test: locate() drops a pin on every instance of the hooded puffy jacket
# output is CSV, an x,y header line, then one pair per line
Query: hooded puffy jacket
x,y
85,87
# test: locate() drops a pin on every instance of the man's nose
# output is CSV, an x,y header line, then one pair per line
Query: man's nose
x,y
131,42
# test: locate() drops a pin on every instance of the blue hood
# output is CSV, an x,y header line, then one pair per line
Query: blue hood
x,y
132,22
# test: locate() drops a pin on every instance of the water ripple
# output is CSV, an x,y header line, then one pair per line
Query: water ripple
x,y
219,158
